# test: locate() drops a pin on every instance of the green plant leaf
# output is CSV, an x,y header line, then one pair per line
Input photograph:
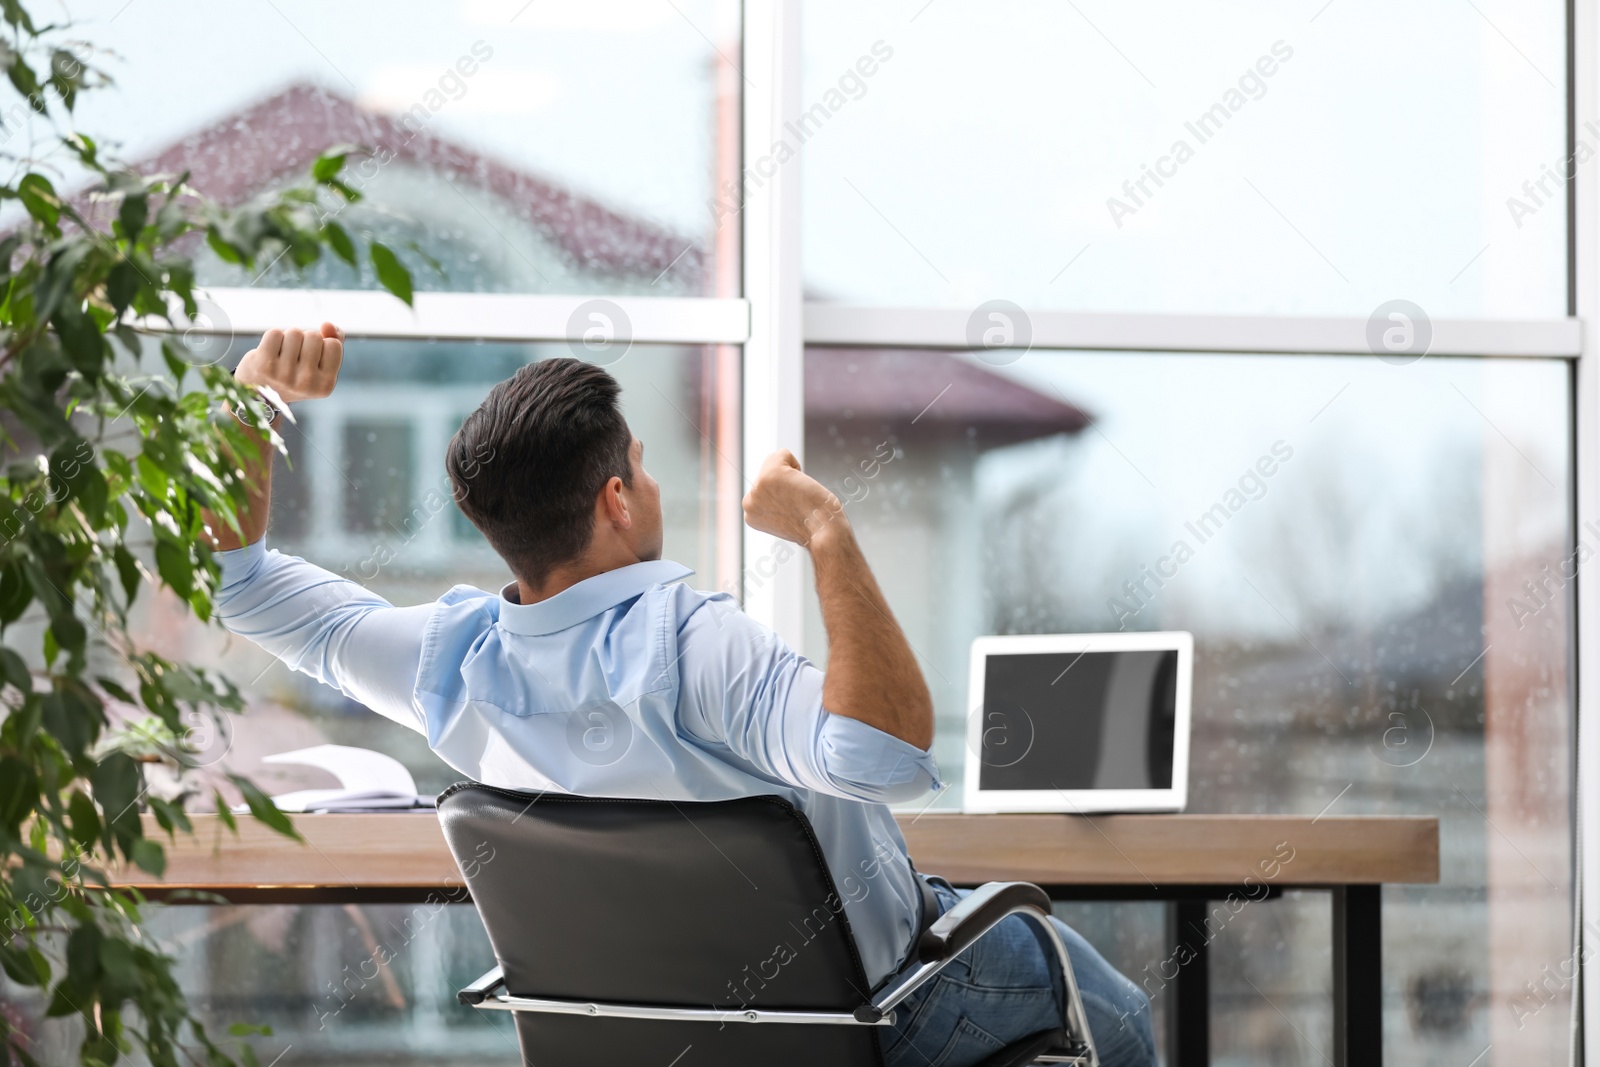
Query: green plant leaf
x,y
39,197
339,240
19,967
127,571
17,15
149,856
170,816
122,285
226,250
60,718
392,274
19,793
68,632
15,593
116,790
15,671
67,75
83,955
176,567
133,213
115,688
262,807
98,1050
331,161
119,968
26,82
64,1000
224,813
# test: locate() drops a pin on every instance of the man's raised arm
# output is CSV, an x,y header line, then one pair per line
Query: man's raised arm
x,y
318,623
295,365
872,671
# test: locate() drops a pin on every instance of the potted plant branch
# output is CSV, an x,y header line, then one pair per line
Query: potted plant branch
x,y
113,453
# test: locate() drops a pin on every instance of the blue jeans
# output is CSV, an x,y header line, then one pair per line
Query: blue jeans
x,y
1008,986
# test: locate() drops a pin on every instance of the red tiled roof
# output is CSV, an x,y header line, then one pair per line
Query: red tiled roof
x,y
931,393
233,159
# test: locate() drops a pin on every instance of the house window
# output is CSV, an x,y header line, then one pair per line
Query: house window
x,y
379,474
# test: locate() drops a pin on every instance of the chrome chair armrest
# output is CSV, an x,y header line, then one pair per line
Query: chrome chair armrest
x,y
482,989
957,929
975,915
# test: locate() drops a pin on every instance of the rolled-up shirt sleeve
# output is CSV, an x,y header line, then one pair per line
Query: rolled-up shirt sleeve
x,y
335,630
742,686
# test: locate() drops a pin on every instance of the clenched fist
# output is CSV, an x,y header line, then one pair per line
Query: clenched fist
x,y
788,503
295,364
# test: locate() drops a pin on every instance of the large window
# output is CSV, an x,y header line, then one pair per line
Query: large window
x,y
364,493
1081,307
1375,555
1349,542
551,175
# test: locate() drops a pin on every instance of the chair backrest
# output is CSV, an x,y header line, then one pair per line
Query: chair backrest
x,y
725,904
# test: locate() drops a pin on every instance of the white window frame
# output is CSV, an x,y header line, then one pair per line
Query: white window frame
x,y
475,316
1583,82
1281,335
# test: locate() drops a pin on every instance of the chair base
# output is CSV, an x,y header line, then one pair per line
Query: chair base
x,y
1047,1046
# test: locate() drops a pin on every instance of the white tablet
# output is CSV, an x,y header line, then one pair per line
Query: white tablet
x,y
1079,723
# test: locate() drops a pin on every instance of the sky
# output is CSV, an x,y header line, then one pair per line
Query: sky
x,y
1373,163
612,97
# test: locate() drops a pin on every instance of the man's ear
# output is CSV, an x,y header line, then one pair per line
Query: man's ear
x,y
615,503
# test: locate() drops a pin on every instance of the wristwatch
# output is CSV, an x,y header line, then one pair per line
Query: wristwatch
x,y
273,401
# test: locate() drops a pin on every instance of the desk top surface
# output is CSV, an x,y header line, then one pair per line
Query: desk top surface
x,y
407,851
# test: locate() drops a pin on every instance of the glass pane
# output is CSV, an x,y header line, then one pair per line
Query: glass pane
x,y
1246,158
378,460
291,503
519,147
1371,559
350,984
365,494
368,497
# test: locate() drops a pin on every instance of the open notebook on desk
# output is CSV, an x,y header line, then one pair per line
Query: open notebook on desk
x,y
368,781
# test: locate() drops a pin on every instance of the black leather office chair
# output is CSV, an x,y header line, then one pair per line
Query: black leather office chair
x,y
695,934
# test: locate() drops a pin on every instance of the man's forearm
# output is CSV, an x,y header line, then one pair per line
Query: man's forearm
x,y
288,365
256,468
872,671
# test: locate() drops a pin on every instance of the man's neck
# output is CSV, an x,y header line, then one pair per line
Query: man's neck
x,y
569,575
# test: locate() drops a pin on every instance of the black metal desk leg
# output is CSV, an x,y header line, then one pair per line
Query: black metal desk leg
x,y
1189,1009
1358,976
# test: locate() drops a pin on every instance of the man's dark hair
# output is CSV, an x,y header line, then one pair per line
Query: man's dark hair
x,y
527,466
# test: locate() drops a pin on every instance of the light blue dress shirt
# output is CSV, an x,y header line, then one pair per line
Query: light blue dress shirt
x,y
629,684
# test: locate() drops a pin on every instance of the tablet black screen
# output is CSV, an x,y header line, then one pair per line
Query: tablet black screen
x,y
1084,720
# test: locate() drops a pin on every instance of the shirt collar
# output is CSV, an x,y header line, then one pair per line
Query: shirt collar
x,y
581,602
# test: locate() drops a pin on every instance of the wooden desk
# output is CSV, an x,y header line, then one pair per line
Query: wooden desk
x,y
1200,864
